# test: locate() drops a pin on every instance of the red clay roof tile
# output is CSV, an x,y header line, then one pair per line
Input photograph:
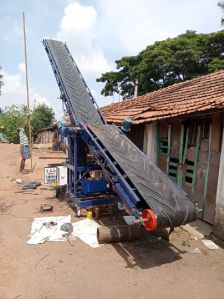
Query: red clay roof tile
x,y
200,94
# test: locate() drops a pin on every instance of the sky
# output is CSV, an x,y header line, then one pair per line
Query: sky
x,y
97,33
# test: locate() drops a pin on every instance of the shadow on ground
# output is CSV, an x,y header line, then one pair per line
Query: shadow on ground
x,y
147,252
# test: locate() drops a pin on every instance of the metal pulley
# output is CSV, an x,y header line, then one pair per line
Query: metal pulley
x,y
149,220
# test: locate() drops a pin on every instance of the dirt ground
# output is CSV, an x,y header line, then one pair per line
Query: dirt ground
x,y
148,268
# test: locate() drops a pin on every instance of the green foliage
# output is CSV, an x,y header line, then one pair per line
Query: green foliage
x,y
173,60
42,117
121,82
12,118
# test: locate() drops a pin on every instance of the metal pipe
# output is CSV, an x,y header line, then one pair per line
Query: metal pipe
x,y
119,233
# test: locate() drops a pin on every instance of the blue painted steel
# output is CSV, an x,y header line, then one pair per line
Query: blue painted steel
x,y
80,188
93,186
70,162
84,202
131,200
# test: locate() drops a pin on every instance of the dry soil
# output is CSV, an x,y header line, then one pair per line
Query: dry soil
x,y
148,268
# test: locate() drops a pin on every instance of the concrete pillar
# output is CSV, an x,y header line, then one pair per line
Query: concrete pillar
x,y
150,140
219,215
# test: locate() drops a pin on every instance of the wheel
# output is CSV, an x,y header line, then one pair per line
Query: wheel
x,y
149,220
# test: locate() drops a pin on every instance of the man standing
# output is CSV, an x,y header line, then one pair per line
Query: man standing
x,y
24,147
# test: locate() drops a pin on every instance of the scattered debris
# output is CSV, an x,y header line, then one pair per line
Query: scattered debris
x,y
50,224
26,192
185,243
46,208
19,181
194,238
86,230
210,244
196,250
192,231
68,228
47,229
47,157
89,214
31,185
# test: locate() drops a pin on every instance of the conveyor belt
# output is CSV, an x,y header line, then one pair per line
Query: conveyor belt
x,y
169,202
153,187
75,87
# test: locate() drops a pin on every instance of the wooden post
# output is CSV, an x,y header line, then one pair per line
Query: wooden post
x,y
158,143
168,148
179,169
207,171
184,158
196,155
219,215
27,90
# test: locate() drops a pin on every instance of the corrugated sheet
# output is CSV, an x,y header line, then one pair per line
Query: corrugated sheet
x,y
197,95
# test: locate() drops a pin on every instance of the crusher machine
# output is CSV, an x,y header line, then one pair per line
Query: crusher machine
x,y
124,172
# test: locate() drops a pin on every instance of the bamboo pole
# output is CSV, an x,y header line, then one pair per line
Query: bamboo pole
x,y
27,91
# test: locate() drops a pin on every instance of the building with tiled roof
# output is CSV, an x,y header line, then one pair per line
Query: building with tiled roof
x,y
202,94
180,128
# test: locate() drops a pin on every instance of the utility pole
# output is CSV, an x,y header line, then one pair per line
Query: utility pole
x,y
27,90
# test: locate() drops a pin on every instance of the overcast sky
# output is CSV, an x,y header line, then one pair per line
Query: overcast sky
x,y
97,33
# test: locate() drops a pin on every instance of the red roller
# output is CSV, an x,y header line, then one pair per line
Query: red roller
x,y
149,220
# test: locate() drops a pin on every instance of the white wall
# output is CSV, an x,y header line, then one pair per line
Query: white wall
x,y
150,140
219,216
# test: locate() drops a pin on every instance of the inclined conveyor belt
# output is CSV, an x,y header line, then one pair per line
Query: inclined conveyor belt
x,y
153,187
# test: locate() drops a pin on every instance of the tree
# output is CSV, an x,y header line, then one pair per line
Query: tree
x,y
221,4
12,118
166,62
121,82
42,117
